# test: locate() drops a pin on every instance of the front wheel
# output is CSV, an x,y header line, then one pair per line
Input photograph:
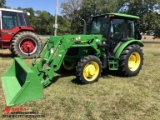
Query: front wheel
x,y
88,69
67,66
131,61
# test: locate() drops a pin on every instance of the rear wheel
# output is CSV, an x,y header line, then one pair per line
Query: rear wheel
x,y
131,61
26,44
88,69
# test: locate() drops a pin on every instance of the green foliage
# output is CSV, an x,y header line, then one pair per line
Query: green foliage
x,y
69,22
149,20
2,3
43,22
87,8
71,9
64,25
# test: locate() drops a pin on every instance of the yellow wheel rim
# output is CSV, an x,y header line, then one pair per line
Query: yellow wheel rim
x,y
134,61
68,67
91,71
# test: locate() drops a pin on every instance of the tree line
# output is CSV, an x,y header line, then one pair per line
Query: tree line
x,y
69,21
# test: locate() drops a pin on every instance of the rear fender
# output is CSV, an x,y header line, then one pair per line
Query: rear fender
x,y
122,45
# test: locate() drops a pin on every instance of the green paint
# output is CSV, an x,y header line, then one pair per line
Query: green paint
x,y
123,45
124,15
21,84
119,15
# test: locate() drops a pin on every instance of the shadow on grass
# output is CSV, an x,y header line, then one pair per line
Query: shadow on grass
x,y
114,73
8,55
77,82
70,73
64,74
105,74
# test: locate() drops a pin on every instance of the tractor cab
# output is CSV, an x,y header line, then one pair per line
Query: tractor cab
x,y
115,27
11,20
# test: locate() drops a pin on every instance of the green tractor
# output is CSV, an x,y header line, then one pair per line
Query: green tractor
x,y
112,44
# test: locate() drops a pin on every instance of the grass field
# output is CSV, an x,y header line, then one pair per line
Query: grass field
x,y
112,97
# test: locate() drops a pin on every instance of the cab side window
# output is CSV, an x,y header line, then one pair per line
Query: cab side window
x,y
9,20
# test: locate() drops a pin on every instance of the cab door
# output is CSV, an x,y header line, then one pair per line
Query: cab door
x,y
8,27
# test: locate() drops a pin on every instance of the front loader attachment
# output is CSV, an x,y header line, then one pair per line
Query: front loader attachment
x,y
21,84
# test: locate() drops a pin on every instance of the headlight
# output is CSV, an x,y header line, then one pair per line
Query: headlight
x,y
78,38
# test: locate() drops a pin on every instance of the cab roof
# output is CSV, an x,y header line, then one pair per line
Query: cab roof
x,y
11,10
119,15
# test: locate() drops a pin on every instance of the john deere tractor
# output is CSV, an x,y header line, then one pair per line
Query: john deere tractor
x,y
112,44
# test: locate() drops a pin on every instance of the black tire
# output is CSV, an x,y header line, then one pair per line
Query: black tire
x,y
26,44
131,61
83,66
67,67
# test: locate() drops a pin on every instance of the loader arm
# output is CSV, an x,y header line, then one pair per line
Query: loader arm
x,y
51,60
54,54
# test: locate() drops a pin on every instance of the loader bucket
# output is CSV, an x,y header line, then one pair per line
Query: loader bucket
x,y
21,84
